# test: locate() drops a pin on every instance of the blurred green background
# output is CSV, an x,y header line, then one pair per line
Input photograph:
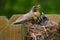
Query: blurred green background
x,y
10,7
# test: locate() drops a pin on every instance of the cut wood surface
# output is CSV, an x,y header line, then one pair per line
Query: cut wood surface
x,y
3,24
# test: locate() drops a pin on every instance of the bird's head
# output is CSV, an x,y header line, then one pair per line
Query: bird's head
x,y
35,8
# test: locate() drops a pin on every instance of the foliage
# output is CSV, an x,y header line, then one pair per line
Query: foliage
x,y
10,7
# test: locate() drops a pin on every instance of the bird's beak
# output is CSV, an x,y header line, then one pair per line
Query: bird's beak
x,y
38,6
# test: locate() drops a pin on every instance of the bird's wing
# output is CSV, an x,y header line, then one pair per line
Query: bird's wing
x,y
25,17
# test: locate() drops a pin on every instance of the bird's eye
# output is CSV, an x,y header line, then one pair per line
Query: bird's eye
x,y
35,7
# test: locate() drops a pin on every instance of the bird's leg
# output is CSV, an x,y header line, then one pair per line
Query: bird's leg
x,y
45,30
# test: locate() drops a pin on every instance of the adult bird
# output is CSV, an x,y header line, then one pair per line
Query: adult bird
x,y
31,16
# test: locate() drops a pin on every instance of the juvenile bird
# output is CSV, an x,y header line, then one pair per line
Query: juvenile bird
x,y
42,20
30,16
45,21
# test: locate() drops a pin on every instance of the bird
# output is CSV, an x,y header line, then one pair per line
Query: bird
x,y
45,21
42,20
31,16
